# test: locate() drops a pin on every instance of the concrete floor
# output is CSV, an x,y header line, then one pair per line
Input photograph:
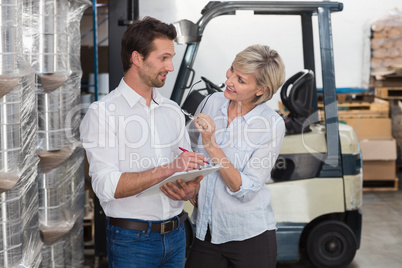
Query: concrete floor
x,y
381,244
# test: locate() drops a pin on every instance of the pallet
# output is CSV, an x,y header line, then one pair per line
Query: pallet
x,y
378,105
355,97
386,82
377,109
360,114
350,97
380,185
389,93
394,73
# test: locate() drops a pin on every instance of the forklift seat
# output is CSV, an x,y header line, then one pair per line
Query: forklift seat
x,y
195,97
297,97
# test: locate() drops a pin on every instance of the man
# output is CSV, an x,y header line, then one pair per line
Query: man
x,y
132,138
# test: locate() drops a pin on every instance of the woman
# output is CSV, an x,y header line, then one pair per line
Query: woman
x,y
235,224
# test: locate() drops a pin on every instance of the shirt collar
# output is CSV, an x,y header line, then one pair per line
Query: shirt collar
x,y
247,117
132,97
157,97
254,112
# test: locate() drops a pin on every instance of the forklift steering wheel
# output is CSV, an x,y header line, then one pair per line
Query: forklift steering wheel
x,y
211,87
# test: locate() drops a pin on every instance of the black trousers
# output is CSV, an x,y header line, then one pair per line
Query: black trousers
x,y
258,251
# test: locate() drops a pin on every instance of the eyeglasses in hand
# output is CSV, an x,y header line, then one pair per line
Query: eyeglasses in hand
x,y
192,117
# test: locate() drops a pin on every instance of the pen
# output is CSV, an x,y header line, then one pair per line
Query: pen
x,y
184,150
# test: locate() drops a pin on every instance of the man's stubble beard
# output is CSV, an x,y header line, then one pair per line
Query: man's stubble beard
x,y
148,79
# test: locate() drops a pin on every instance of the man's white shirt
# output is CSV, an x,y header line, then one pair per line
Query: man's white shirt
x,y
120,133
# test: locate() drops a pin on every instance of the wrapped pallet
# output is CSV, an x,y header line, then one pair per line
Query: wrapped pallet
x,y
51,44
20,242
386,44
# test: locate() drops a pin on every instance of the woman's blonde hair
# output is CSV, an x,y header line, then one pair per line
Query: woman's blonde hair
x,y
267,66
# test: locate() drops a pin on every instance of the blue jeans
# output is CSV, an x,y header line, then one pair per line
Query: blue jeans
x,y
136,249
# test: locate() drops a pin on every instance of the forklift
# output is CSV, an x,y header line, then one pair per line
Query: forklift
x,y
316,184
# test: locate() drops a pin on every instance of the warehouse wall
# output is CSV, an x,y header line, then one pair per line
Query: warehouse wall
x,y
226,35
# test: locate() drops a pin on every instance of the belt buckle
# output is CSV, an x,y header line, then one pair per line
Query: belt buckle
x,y
165,225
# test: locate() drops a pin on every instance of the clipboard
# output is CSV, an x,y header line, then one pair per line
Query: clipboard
x,y
185,176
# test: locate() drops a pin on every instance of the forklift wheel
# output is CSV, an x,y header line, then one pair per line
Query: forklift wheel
x,y
331,244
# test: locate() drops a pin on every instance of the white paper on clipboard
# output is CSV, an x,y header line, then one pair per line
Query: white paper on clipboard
x,y
186,176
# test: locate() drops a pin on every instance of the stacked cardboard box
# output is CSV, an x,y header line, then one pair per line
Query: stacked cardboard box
x,y
379,170
374,131
368,119
372,124
386,69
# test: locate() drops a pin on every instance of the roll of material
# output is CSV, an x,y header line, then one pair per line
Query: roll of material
x,y
9,160
8,42
51,140
10,208
49,102
86,100
10,133
11,256
49,121
103,83
9,38
53,54
10,113
53,255
17,214
11,234
53,43
8,13
10,137
49,116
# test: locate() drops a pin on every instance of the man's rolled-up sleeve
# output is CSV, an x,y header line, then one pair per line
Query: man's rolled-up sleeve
x,y
98,137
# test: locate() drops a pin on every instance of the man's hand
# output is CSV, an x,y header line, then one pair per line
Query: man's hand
x,y
187,161
185,192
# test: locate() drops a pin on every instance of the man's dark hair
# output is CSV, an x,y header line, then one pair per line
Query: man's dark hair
x,y
139,37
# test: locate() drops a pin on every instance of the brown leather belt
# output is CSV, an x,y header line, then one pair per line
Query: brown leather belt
x,y
163,228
